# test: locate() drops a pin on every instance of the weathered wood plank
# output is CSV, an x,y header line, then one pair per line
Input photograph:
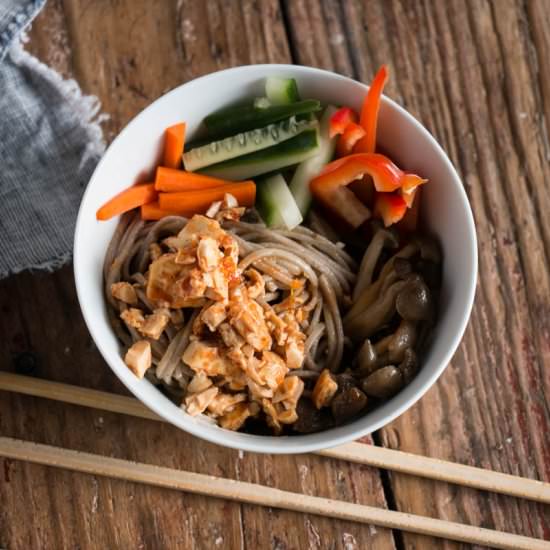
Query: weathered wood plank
x,y
128,53
474,74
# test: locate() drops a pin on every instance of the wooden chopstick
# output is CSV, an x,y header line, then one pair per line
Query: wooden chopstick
x,y
371,455
252,493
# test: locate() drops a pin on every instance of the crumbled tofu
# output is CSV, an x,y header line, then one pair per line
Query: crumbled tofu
x,y
199,226
197,402
229,336
233,214
229,201
213,209
124,292
199,383
234,419
294,353
289,392
272,369
271,414
177,318
155,323
187,255
164,281
133,317
225,402
218,284
258,391
208,254
138,358
324,390
213,316
256,288
194,285
155,251
288,416
248,319
201,357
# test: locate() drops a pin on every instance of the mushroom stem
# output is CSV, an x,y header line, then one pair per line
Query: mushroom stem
x,y
383,238
378,314
387,277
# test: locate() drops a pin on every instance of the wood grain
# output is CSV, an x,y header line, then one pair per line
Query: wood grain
x,y
128,53
474,74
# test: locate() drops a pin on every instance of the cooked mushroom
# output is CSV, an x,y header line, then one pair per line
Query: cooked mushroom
x,y
409,365
383,383
429,249
430,271
397,267
376,316
383,238
368,360
414,301
404,338
310,419
347,404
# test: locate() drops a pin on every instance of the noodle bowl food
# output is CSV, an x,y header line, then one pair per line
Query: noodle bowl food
x,y
274,277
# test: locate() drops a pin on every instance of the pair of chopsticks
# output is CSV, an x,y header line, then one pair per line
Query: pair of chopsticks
x,y
266,496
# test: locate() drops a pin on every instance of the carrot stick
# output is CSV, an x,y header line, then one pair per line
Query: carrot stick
x,y
153,211
173,181
128,199
369,112
199,201
174,141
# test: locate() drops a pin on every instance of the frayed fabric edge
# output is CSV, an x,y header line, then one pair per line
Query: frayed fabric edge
x,y
88,112
48,266
87,108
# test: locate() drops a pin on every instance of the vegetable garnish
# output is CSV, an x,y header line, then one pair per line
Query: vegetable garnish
x,y
126,200
174,140
369,112
352,134
340,119
153,211
173,181
409,222
199,201
390,207
386,175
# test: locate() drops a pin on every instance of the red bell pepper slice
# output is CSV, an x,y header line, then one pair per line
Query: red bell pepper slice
x,y
409,222
390,207
369,112
386,175
329,186
352,134
340,120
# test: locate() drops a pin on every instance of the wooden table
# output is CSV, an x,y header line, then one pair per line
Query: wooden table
x,y
477,74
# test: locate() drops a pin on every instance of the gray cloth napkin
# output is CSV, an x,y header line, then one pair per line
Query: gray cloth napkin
x,y
50,142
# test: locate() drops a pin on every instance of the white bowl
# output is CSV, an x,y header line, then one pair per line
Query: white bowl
x,y
445,207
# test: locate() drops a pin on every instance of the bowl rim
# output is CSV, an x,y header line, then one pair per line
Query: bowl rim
x,y
307,442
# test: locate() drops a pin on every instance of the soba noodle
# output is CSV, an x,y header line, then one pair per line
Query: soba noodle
x,y
279,255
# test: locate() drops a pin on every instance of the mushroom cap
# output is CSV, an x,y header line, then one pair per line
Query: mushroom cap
x,y
347,404
383,383
414,301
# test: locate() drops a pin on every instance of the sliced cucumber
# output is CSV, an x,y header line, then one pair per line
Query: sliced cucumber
x,y
233,120
262,103
287,153
245,143
276,203
281,91
310,168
